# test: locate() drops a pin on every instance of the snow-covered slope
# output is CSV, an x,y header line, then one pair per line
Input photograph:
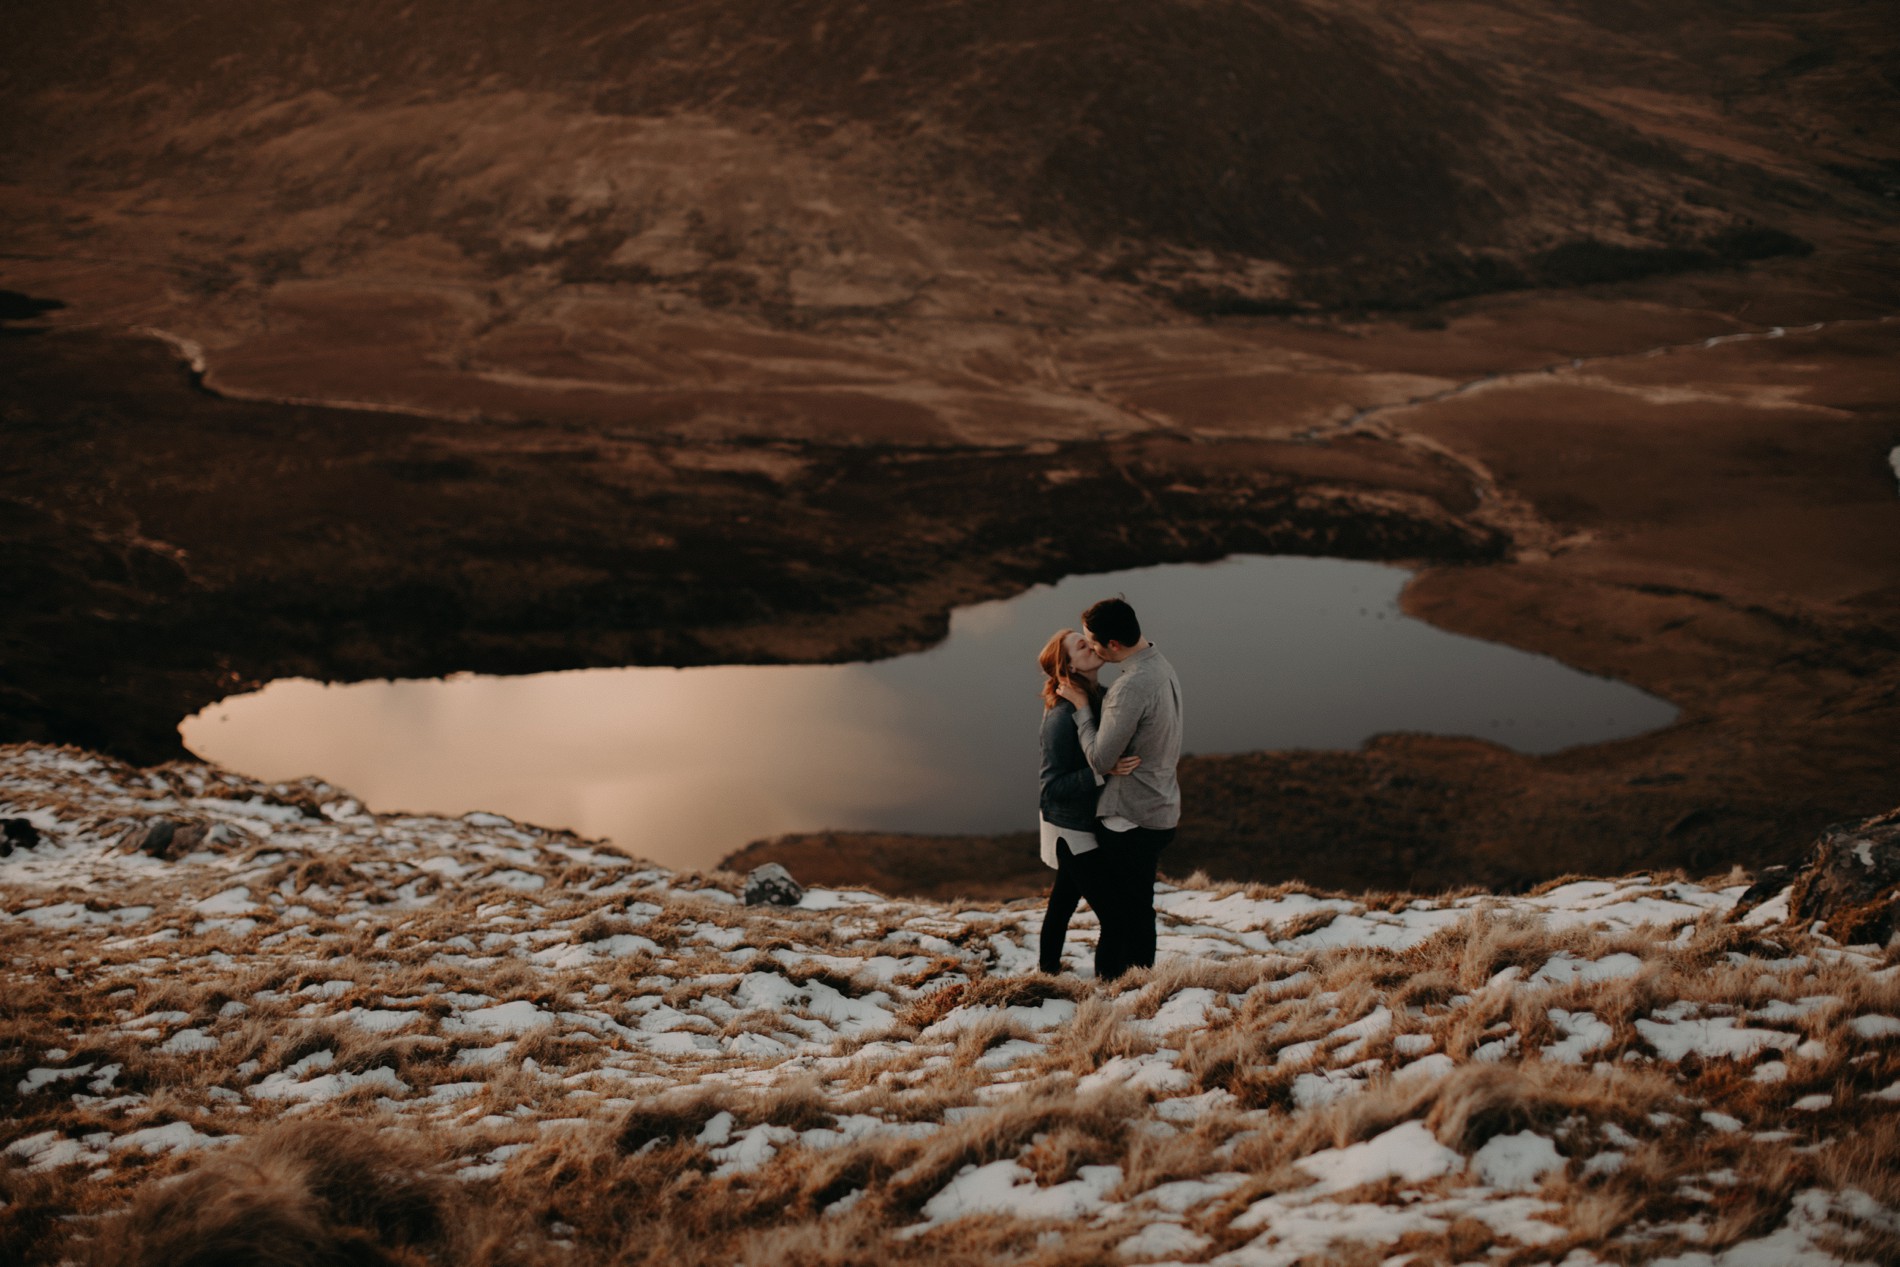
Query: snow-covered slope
x,y
1604,1071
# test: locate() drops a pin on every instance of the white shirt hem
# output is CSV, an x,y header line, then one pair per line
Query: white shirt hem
x,y
1079,841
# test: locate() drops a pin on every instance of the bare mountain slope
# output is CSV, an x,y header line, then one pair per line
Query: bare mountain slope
x,y
1353,157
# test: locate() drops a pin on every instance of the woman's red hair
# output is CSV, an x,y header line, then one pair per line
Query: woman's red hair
x,y
1054,660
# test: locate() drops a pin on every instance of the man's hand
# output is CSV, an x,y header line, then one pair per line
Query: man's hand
x,y
1071,691
1126,765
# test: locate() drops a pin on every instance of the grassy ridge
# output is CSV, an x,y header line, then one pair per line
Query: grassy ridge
x,y
401,1039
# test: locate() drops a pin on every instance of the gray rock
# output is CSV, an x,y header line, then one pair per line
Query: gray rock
x,y
17,833
155,838
305,804
162,838
1768,883
1853,881
301,800
772,885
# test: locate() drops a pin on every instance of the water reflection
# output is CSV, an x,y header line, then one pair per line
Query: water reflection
x,y
684,765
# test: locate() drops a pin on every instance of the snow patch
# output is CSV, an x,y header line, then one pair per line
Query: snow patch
x,y
1005,1187
235,901
1516,1161
1408,1152
1045,1015
518,1017
1873,1026
1564,968
1712,1038
173,1137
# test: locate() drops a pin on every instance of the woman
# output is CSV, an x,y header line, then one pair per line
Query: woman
x,y
1068,785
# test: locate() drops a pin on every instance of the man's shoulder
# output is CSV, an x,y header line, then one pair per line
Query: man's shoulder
x,y
1163,682
1151,663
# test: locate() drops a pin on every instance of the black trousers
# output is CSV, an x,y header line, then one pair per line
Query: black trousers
x,y
1118,881
1064,895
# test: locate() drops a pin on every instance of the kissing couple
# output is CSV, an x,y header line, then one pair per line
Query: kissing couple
x,y
1110,801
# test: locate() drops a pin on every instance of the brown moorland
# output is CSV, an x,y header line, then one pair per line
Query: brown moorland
x,y
682,333
327,1036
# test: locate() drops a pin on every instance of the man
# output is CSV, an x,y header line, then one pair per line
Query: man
x,y
1138,812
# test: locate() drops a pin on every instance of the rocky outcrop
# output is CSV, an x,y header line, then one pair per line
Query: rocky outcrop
x,y
164,839
17,833
772,885
169,840
1853,881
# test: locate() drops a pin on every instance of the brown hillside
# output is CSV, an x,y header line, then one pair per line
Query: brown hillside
x,y
1365,158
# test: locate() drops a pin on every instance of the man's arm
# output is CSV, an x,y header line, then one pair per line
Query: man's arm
x,y
1104,745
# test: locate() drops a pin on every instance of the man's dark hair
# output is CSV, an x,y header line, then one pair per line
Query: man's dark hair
x,y
1113,620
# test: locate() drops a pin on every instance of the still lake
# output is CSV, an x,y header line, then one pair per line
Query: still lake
x,y
685,765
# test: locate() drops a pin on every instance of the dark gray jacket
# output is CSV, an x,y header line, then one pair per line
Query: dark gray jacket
x,y
1068,785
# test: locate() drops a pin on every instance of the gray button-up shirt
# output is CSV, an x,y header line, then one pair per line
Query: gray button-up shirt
x,y
1141,714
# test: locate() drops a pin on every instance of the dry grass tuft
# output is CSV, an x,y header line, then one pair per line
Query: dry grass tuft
x,y
1865,1159
1007,1131
1476,1102
35,1209
1093,1037
984,1034
1301,925
668,1119
300,1195
33,1017
798,1105
1028,991
1055,1157
1183,972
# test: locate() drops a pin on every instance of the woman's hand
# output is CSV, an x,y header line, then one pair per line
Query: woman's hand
x,y
1069,689
1126,765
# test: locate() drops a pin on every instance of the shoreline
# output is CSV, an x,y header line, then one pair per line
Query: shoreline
x,y
1611,535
